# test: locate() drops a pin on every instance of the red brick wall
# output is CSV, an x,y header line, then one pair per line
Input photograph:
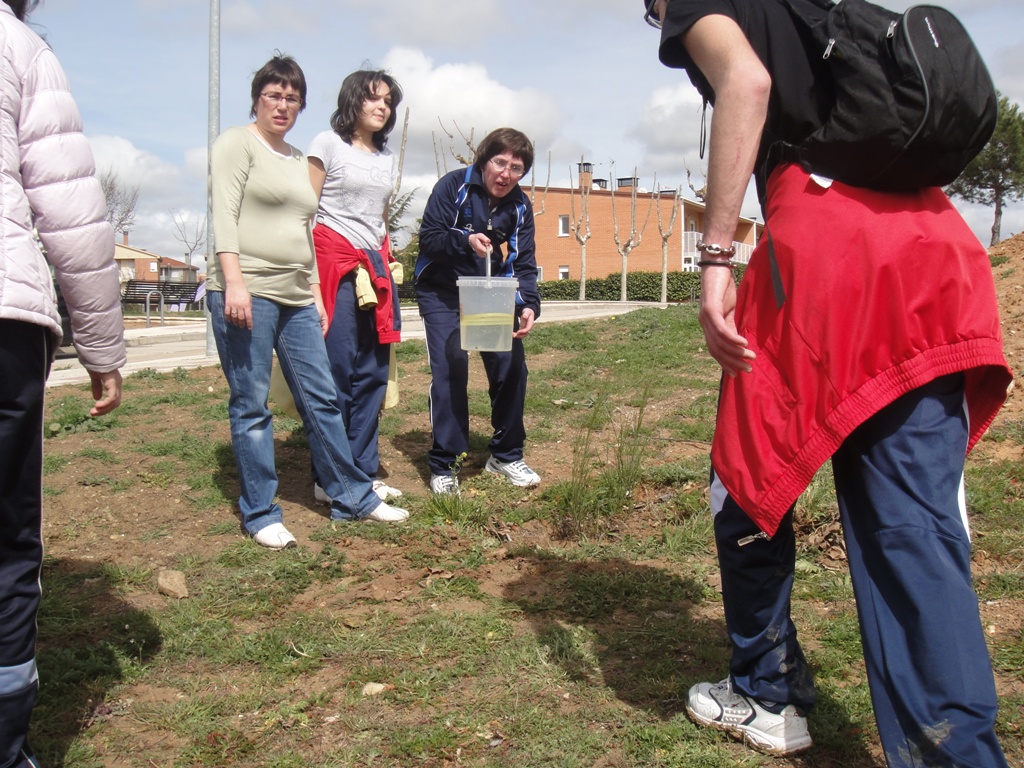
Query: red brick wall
x,y
603,257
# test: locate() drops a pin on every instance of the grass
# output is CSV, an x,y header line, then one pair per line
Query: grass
x,y
559,627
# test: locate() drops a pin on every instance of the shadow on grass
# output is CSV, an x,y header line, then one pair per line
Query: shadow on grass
x,y
637,630
415,443
90,640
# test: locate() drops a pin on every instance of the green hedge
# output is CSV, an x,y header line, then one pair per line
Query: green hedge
x,y
640,286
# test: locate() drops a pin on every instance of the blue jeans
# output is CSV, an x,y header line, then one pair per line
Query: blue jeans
x,y
246,357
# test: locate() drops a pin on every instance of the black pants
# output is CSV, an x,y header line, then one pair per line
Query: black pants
x,y
449,398
24,365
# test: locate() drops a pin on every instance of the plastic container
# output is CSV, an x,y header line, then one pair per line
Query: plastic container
x,y
487,307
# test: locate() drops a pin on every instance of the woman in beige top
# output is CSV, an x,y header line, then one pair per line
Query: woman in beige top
x,y
264,297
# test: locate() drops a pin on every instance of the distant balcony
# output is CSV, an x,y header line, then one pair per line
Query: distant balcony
x,y
691,255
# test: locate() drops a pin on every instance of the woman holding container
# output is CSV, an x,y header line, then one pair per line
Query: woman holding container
x,y
473,214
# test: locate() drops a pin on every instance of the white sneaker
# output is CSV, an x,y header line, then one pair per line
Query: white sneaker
x,y
516,471
274,536
385,513
443,485
718,706
382,489
320,494
385,491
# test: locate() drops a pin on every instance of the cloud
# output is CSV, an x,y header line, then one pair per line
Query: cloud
x,y
462,99
134,167
440,23
669,127
244,18
163,187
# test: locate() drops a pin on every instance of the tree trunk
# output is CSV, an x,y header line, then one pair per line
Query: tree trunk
x,y
664,271
622,282
997,221
583,272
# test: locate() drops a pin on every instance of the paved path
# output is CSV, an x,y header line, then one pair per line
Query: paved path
x,y
183,344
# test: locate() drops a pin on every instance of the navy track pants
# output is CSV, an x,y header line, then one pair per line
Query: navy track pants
x,y
899,486
359,366
24,361
449,398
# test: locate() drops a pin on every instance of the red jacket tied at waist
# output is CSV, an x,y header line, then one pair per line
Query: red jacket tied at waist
x,y
336,257
894,292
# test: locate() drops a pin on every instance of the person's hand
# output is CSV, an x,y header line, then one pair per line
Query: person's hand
x,y
481,244
238,306
325,321
106,391
526,319
718,319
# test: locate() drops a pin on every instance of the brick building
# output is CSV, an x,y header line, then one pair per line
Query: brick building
x,y
139,264
558,251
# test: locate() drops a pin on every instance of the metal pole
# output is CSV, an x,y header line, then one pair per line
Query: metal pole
x,y
212,131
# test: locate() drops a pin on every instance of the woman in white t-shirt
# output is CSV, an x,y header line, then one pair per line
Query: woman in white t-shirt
x,y
353,174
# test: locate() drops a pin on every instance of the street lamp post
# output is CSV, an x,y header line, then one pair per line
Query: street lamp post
x,y
212,131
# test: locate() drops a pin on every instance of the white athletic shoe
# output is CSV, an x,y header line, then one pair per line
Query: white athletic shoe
x,y
321,495
719,706
382,489
385,491
274,536
516,471
386,513
442,485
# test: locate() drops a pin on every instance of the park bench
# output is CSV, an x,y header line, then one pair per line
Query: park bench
x,y
406,291
163,292
136,291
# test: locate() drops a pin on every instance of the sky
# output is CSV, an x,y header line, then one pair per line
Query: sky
x,y
580,77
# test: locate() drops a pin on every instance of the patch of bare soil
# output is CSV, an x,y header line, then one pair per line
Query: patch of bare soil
x,y
1009,277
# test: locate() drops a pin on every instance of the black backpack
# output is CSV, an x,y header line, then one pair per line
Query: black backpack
x,y
914,102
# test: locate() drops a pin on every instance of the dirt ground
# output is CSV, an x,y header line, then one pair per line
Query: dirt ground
x,y
153,527
103,521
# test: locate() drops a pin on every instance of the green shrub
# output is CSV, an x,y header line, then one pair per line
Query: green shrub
x,y
640,286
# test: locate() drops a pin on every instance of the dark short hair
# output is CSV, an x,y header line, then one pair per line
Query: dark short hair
x,y
357,88
22,8
505,140
280,70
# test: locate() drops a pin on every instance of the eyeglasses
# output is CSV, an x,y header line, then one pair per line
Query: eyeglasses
x,y
650,16
515,171
276,98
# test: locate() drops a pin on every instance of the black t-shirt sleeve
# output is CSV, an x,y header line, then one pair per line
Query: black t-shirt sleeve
x,y
680,15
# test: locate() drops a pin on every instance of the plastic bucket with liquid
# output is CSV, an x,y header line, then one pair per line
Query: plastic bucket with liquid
x,y
487,307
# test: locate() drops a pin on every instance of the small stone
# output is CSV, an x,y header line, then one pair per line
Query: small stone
x,y
172,584
374,689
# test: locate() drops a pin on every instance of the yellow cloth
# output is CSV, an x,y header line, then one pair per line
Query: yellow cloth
x,y
280,394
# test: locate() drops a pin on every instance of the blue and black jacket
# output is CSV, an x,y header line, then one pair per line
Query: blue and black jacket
x,y
458,207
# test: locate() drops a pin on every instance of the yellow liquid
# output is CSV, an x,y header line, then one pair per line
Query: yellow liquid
x,y
488,318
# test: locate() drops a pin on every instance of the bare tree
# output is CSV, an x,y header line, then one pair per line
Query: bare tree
x,y
441,156
701,193
533,185
580,227
121,201
398,204
625,247
666,233
190,231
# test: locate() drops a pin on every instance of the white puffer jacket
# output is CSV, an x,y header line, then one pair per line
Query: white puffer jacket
x,y
48,182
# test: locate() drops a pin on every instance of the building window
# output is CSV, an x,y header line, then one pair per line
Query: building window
x,y
540,274
152,266
563,226
563,272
